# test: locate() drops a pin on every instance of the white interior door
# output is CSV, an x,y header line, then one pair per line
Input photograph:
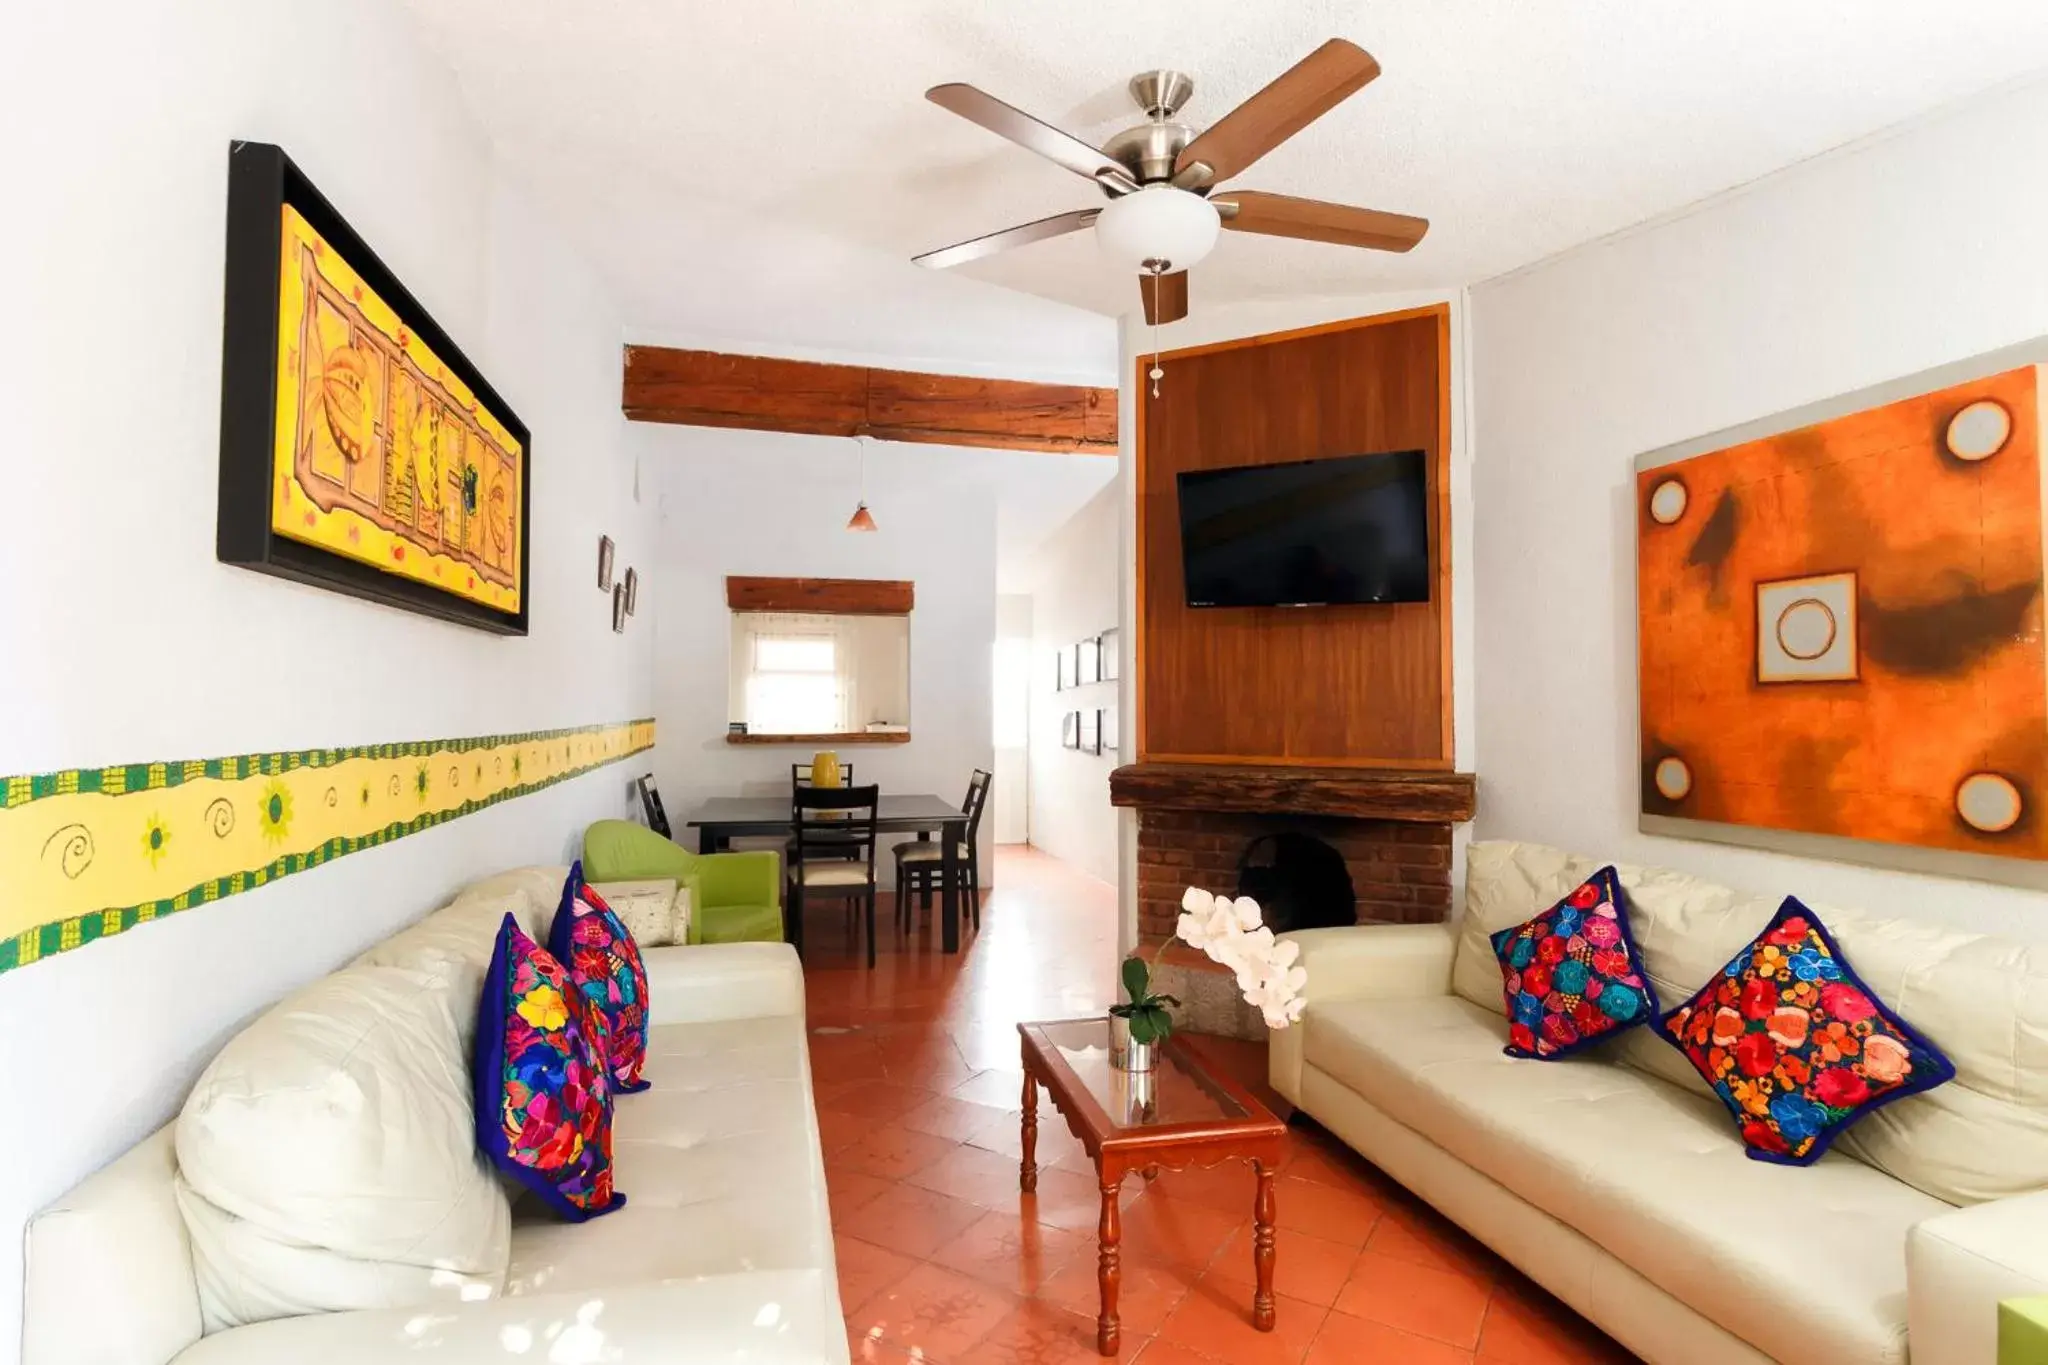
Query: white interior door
x,y
1010,797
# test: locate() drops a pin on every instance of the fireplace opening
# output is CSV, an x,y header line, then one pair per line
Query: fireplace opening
x,y
1299,881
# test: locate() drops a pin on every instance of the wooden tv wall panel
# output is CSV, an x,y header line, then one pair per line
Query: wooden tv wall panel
x,y
1366,686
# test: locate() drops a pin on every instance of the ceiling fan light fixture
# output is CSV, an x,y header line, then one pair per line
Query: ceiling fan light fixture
x,y
1159,228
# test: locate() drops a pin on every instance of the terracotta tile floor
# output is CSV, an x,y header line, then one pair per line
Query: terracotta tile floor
x,y
943,1262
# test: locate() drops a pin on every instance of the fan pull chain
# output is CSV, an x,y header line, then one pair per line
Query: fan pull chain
x,y
1156,373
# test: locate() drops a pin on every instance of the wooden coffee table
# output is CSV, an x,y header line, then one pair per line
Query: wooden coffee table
x,y
1178,1115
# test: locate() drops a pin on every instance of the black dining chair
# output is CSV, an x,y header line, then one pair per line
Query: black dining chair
x,y
832,823
921,863
657,814
800,776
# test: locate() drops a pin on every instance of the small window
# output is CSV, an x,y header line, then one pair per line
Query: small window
x,y
810,673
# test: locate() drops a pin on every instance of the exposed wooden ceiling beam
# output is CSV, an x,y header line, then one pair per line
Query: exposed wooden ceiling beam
x,y
713,389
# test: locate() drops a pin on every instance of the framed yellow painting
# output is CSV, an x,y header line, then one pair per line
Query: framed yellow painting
x,y
360,450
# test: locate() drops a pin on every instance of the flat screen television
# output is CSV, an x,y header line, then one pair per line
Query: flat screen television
x,y
1312,533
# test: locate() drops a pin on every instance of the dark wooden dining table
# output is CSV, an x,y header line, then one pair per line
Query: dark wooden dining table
x,y
722,819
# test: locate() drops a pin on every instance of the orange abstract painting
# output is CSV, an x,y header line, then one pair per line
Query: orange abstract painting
x,y
1841,626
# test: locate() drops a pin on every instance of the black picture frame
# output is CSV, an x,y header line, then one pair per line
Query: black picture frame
x,y
632,590
619,608
262,180
605,553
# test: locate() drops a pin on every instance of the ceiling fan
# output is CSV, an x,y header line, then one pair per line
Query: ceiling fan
x,y
1161,176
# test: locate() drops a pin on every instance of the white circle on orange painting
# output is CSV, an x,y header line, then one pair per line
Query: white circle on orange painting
x,y
1806,629
1673,778
1988,802
1979,431
1667,502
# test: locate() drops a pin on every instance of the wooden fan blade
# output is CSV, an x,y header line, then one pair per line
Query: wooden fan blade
x,y
1166,297
977,106
1302,94
975,248
1312,220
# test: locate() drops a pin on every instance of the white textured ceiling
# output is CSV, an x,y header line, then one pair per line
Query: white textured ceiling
x,y
758,172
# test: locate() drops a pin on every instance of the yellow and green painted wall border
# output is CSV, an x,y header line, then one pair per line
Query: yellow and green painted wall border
x,y
91,852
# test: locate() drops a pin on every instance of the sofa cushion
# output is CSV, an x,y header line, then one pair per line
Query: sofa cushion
x,y
327,1158
1806,1265
647,909
1983,1000
723,1160
1795,1045
542,1083
1570,977
604,964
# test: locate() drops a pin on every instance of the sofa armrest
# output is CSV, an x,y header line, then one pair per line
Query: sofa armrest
x,y
750,878
760,1317
1362,962
703,983
1960,1265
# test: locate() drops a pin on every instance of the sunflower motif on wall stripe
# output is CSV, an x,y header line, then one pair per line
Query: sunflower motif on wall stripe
x,y
90,852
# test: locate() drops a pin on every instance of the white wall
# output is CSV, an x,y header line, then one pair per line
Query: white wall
x,y
1075,597
1905,253
775,505
127,641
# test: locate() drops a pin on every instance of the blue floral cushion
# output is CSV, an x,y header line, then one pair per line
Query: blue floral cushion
x,y
1796,1045
1571,976
604,962
543,1091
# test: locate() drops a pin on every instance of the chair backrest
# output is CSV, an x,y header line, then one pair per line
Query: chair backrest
x,y
657,814
838,819
977,801
800,774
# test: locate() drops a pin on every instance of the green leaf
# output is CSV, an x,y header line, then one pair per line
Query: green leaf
x,y
1137,979
1151,1025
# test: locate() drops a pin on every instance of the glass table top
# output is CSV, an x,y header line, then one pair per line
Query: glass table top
x,y
1176,1091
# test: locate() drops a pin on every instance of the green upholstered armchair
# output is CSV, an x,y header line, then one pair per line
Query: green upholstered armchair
x,y
734,897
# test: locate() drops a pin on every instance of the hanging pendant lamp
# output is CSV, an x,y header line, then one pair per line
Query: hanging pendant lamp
x,y
862,519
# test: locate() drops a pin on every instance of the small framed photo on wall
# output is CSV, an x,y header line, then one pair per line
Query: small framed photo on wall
x,y
1067,676
605,551
1110,740
619,608
1088,661
1070,730
632,590
1110,648
1091,732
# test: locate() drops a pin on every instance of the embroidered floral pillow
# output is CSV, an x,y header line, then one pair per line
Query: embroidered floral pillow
x,y
1795,1045
591,940
1571,976
543,1092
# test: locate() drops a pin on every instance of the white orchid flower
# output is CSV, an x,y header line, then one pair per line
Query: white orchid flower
x,y
1233,933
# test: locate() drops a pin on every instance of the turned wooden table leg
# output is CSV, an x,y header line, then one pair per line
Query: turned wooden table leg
x,y
1027,1171
1109,1269
1262,1249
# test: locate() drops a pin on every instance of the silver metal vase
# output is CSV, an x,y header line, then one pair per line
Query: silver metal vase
x,y
1125,1054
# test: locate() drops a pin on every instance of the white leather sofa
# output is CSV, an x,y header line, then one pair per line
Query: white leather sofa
x,y
1615,1179
723,1252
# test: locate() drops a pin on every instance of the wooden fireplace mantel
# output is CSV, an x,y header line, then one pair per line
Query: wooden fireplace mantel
x,y
1428,797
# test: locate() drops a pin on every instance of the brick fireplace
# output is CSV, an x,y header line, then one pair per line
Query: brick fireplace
x,y
1400,871
1392,829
